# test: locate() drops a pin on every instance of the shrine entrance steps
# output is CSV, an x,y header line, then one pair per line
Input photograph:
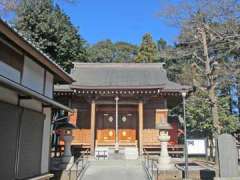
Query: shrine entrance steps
x,y
114,169
124,153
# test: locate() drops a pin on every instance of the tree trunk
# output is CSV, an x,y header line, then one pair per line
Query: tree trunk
x,y
214,109
211,149
211,93
216,125
205,51
211,84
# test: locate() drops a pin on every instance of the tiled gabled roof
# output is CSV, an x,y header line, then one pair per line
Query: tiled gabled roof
x,y
121,76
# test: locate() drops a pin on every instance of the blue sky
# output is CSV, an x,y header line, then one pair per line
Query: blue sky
x,y
119,20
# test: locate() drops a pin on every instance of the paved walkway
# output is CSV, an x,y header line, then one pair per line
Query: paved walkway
x,y
115,170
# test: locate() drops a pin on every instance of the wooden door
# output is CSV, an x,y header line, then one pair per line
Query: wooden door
x,y
127,125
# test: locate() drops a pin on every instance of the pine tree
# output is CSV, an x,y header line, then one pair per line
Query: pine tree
x,y
161,44
50,30
147,51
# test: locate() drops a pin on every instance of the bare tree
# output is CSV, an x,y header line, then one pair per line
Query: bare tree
x,y
8,5
210,35
210,31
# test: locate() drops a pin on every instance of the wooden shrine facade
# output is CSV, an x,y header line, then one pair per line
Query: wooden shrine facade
x,y
125,114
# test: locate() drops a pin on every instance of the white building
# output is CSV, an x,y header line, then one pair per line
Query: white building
x,y
26,101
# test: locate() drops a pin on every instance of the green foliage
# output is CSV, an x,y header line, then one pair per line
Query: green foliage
x,y
148,51
198,106
161,44
199,119
106,51
125,52
229,122
198,115
50,29
103,51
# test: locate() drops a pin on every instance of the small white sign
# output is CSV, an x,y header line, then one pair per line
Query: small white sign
x,y
196,146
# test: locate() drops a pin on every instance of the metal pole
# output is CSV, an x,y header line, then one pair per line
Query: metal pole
x,y
185,136
116,130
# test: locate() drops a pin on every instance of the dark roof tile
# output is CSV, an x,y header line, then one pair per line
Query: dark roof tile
x,y
121,76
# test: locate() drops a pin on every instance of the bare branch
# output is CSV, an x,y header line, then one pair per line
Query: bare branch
x,y
198,58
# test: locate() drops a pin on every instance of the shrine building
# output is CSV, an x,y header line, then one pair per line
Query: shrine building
x,y
119,104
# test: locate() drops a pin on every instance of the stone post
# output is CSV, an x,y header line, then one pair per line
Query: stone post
x,y
93,117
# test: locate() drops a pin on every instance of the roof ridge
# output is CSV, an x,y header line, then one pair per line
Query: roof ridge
x,y
125,65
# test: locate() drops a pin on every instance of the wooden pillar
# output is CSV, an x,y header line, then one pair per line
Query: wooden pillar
x,y
140,126
116,129
93,117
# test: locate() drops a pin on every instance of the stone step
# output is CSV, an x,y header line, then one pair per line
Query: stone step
x,y
110,153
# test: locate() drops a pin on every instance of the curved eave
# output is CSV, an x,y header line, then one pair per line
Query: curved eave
x,y
121,91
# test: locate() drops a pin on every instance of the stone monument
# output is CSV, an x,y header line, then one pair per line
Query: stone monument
x,y
228,157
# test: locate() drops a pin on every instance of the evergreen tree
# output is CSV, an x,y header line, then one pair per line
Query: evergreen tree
x,y
148,51
161,44
103,52
107,51
50,30
126,52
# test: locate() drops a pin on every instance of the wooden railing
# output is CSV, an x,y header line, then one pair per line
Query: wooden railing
x,y
150,137
173,150
81,137
105,137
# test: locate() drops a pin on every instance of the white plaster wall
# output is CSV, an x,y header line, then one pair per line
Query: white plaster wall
x,y
49,85
33,75
9,96
46,141
9,72
31,104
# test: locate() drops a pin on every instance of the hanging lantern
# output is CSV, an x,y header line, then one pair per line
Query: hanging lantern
x,y
124,119
110,119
